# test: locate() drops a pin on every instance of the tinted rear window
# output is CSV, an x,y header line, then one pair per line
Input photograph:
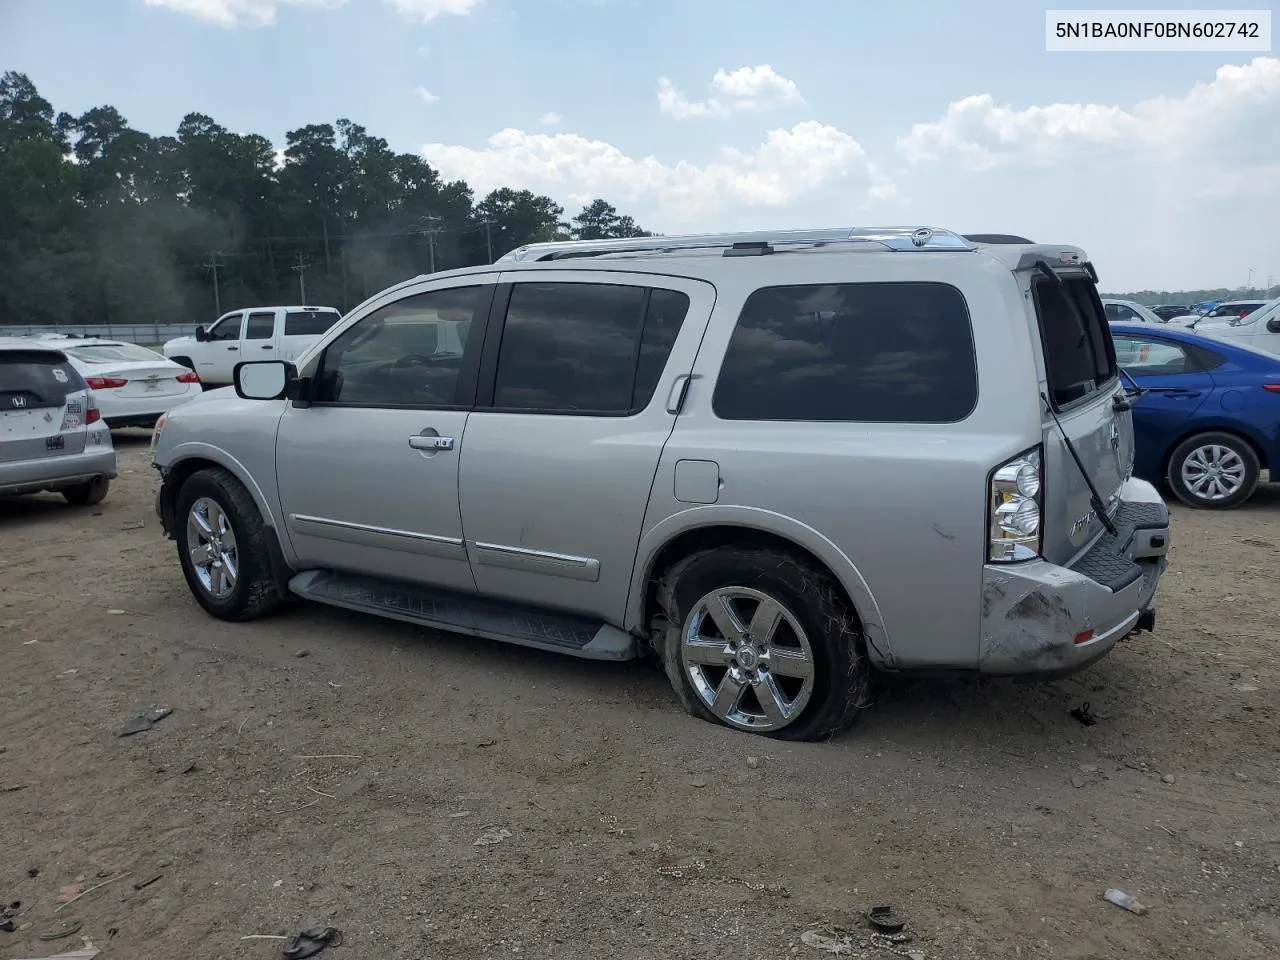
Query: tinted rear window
x,y
853,352
36,378
1079,356
309,323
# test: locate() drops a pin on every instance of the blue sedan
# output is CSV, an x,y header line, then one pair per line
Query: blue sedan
x,y
1207,418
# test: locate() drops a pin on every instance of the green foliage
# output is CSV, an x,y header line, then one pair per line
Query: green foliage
x,y
102,223
1152,298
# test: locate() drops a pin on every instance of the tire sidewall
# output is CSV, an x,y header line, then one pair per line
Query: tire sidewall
x,y
1240,447
840,667
204,486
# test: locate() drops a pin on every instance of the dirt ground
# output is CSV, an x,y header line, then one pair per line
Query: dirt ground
x,y
990,818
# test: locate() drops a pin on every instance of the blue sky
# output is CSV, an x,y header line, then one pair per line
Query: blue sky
x,y
711,114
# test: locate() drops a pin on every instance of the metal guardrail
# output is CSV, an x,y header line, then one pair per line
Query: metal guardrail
x,y
145,333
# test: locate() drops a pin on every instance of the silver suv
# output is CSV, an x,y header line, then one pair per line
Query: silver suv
x,y
778,461
52,436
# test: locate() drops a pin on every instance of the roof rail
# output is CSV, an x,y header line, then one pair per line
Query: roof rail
x,y
891,238
996,238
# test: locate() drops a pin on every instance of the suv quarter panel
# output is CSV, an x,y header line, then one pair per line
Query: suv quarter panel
x,y
903,502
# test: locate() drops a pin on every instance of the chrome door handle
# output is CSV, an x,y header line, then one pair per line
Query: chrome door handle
x,y
419,442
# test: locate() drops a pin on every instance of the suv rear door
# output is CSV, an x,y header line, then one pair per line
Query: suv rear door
x,y
43,404
559,456
1081,385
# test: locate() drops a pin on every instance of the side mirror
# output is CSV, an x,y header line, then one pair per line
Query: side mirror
x,y
1273,325
263,379
201,334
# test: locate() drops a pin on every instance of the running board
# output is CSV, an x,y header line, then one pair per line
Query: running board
x,y
476,616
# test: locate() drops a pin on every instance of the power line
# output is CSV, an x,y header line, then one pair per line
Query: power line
x,y
431,228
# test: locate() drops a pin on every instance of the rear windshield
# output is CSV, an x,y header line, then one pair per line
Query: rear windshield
x,y
868,352
36,378
113,353
1079,356
309,322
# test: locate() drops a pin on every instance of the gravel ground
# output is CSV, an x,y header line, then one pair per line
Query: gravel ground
x,y
334,769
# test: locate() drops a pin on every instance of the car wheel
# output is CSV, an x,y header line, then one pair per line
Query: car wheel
x,y
222,545
88,493
1215,471
762,642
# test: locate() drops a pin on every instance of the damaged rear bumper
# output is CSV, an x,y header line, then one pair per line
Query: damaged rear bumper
x,y
1041,620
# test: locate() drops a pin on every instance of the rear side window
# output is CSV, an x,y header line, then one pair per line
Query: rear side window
x,y
31,379
585,347
261,326
853,352
309,323
1079,356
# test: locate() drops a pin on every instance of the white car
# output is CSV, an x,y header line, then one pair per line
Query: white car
x,y
131,384
1259,328
1222,314
1127,311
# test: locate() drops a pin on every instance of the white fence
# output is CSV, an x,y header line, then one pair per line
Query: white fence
x,y
144,333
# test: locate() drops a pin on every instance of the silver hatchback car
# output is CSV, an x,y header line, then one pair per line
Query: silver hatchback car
x,y
780,462
52,436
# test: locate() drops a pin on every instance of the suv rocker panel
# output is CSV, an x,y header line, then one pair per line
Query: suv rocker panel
x,y
477,616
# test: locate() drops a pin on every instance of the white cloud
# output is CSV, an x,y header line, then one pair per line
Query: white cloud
x,y
231,12
427,10
790,165
550,119
1227,119
738,91
425,95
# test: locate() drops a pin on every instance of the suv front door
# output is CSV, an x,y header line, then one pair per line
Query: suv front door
x,y
571,417
368,471
217,357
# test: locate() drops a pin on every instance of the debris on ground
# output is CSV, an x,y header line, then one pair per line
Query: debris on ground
x,y
820,940
145,721
148,882
67,929
753,762
310,942
1124,901
87,952
1084,713
302,653
69,892
491,836
884,920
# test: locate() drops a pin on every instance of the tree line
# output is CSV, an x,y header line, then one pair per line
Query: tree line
x,y
1152,298
103,223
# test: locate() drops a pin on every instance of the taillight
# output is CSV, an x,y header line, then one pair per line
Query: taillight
x,y
1015,505
189,377
1271,387
105,383
92,415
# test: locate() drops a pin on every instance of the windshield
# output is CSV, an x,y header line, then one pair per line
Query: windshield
x,y
112,353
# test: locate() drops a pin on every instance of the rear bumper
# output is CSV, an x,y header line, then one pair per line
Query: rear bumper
x,y
57,473
1042,620
141,411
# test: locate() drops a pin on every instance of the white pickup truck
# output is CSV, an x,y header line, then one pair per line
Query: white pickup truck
x,y
252,333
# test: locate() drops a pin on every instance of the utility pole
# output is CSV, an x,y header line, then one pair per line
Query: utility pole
x,y
488,238
430,228
1250,284
300,268
213,263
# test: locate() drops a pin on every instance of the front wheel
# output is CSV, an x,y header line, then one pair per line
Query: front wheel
x,y
1215,471
222,546
762,642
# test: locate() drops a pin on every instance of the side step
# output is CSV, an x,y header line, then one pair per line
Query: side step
x,y
459,613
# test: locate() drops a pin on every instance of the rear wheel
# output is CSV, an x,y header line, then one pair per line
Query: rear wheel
x,y
222,546
1215,471
764,643
88,493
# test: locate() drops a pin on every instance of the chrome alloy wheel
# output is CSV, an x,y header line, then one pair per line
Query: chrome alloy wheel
x,y
748,658
212,543
1213,472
